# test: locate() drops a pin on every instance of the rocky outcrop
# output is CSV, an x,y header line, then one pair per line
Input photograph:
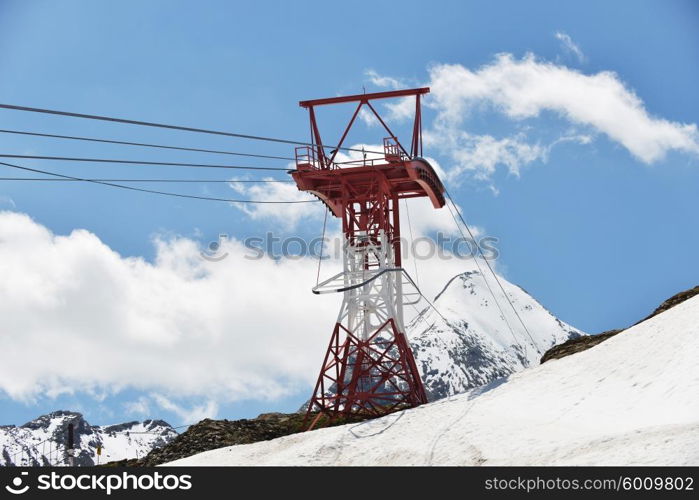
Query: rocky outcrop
x,y
678,298
573,346
211,434
577,345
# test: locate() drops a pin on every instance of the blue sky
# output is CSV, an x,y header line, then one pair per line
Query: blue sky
x,y
597,228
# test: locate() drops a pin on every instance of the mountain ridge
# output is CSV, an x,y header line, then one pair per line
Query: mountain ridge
x,y
43,440
468,339
575,345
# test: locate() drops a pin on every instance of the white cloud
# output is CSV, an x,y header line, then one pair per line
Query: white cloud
x,y
525,88
187,415
289,214
570,46
78,317
368,117
424,219
384,81
481,154
401,108
140,407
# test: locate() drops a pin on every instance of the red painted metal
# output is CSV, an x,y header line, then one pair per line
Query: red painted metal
x,y
366,378
364,97
377,374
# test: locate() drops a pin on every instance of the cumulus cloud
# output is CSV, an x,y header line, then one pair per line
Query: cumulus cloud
x,y
368,118
481,154
78,317
288,213
384,81
570,46
140,407
525,88
187,415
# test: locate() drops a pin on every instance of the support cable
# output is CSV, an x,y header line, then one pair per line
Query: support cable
x,y
480,270
190,181
167,126
152,191
493,273
139,162
142,144
424,297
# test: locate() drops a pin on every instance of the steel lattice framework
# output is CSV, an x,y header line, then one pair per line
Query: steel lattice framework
x,y
369,369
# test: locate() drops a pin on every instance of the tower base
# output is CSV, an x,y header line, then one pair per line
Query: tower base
x,y
365,378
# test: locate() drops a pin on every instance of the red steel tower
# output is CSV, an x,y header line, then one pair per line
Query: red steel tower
x,y
369,369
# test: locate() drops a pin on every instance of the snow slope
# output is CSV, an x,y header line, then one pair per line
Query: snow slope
x,y
471,341
630,400
43,440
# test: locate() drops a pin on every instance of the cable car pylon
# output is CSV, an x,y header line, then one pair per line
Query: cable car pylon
x,y
368,369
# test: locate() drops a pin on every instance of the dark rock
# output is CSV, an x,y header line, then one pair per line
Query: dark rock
x,y
212,434
120,427
577,345
583,343
673,301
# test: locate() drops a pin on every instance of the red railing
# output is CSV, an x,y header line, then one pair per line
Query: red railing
x,y
305,158
392,150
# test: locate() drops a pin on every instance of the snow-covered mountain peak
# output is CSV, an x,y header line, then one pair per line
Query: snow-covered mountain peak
x,y
43,441
470,339
55,420
135,426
